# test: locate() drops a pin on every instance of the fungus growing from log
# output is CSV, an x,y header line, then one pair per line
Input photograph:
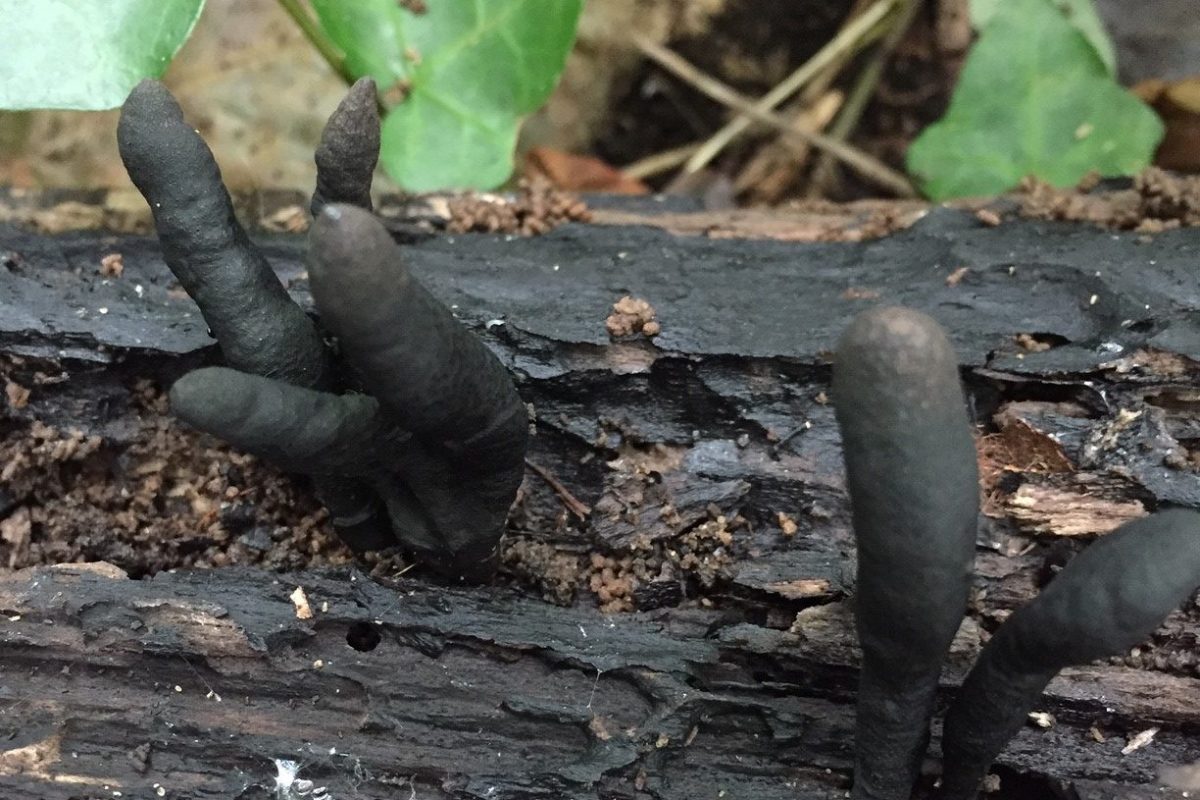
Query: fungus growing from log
x,y
1107,599
912,476
413,432
914,492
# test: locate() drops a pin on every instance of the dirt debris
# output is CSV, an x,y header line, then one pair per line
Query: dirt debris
x,y
173,498
1158,200
537,208
647,552
631,316
289,219
112,265
988,217
860,293
554,573
956,277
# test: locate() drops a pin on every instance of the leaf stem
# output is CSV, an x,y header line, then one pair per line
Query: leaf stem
x,y
325,46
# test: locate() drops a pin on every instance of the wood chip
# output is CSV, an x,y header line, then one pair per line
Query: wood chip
x,y
1057,511
1138,741
955,278
988,217
801,589
300,601
18,395
17,529
1042,719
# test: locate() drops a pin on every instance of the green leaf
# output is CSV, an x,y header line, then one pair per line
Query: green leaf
x,y
1081,13
1033,99
86,54
469,70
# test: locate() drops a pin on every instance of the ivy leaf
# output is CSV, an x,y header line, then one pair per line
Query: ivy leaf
x,y
1081,13
1034,98
87,54
468,71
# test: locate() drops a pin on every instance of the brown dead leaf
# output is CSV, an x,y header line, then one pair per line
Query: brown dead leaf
x,y
1178,104
576,173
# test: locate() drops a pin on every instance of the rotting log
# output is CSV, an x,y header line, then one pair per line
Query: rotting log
x,y
1079,346
199,681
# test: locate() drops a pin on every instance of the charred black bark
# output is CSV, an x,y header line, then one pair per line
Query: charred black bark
x,y
733,390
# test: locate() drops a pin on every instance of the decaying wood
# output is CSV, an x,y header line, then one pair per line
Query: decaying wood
x,y
1087,339
200,681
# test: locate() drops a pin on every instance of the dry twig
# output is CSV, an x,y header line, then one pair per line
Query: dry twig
x,y
856,35
861,93
869,167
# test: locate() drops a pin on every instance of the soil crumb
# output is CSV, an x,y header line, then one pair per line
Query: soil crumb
x,y
1158,200
537,208
632,315
112,265
172,498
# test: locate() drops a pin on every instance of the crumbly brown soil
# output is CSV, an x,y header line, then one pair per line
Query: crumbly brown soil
x,y
536,208
1157,201
172,498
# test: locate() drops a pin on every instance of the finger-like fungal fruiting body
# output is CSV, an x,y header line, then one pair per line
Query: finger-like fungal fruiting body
x,y
431,375
349,150
432,452
258,327
914,493
296,428
1106,600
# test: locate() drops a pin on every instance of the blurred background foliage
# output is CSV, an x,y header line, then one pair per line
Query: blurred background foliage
x,y
626,117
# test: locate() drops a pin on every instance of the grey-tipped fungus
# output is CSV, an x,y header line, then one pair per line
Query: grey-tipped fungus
x,y
914,493
1106,600
431,453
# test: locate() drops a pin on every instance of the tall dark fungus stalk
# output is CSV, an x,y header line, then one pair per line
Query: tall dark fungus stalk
x,y
411,429
911,468
1107,599
914,492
